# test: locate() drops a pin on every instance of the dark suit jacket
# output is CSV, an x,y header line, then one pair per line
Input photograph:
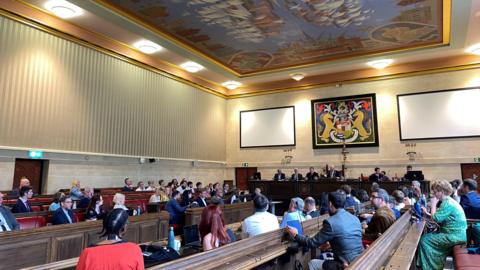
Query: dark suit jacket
x,y
375,178
176,211
471,205
334,174
310,176
20,207
126,189
313,214
84,202
344,232
282,176
59,217
300,177
200,202
9,218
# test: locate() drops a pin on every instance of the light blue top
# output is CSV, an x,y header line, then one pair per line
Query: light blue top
x,y
297,215
53,207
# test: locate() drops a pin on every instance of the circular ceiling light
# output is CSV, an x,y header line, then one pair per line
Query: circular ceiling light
x,y
63,9
297,76
191,66
474,49
231,84
380,64
148,47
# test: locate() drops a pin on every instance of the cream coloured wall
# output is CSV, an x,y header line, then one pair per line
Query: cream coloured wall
x,y
437,158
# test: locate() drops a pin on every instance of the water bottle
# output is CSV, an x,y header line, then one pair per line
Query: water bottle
x,y
138,210
171,239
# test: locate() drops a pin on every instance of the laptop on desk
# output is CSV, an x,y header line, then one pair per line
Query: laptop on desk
x,y
191,236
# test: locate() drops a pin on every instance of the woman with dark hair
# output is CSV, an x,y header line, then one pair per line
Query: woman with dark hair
x,y
212,228
113,252
94,209
186,198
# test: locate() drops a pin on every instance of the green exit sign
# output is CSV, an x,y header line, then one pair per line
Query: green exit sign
x,y
246,164
476,159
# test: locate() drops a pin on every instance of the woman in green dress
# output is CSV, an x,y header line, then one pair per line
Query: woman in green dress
x,y
434,247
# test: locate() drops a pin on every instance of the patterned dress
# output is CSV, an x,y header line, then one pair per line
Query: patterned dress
x,y
434,247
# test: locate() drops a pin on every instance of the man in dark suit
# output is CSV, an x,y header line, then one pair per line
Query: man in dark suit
x,y
7,220
296,176
279,176
332,173
342,230
64,214
177,212
128,185
201,200
312,174
470,200
310,208
376,176
22,205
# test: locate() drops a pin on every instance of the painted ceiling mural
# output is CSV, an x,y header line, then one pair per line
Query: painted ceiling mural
x,y
255,35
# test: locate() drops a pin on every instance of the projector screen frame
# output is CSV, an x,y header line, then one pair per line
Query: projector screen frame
x,y
274,145
429,138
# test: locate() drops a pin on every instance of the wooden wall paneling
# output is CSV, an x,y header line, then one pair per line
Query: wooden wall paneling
x,y
132,234
148,232
69,246
163,229
24,252
92,237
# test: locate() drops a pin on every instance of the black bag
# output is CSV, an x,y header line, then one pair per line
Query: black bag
x,y
153,254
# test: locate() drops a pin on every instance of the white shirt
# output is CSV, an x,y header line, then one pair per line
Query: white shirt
x,y
180,189
258,223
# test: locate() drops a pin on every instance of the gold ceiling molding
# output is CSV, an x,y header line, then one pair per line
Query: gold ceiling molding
x,y
446,28
23,14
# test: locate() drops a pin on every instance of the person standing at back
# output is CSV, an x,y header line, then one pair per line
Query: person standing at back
x,y
113,252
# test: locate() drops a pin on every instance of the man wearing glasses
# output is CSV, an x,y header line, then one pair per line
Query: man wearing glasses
x,y
383,217
64,214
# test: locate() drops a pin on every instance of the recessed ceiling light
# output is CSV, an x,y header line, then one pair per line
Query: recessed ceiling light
x,y
191,66
474,49
297,76
380,64
231,84
63,9
148,47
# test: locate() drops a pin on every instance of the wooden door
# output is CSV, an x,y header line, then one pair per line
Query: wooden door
x,y
470,170
242,175
32,169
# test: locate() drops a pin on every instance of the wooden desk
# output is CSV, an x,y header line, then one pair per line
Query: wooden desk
x,y
54,243
231,213
285,190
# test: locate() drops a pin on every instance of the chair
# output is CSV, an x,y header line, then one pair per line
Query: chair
x,y
31,222
79,216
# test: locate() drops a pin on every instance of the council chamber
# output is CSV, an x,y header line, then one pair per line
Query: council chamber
x,y
239,134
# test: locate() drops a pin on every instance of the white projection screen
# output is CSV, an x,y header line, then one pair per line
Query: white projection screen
x,y
267,127
440,114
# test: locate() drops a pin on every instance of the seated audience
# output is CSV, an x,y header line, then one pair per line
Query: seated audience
x,y
279,176
311,208
55,201
128,185
75,191
362,196
190,186
350,200
161,183
176,211
140,186
183,186
311,174
260,222
7,220
434,247
217,197
198,186
113,252
87,196
151,186
119,201
399,200
201,200
324,203
257,176
233,196
64,214
376,176
257,192
95,210
383,217
24,182
294,212
296,176
470,200
186,198
22,205
332,173
384,176
226,188
159,196
342,230
391,204
212,228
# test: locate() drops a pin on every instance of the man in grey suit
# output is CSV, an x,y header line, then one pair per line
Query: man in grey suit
x,y
7,220
342,230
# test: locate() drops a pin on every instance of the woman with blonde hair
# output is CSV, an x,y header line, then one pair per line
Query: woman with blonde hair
x,y
159,196
434,247
75,191
119,201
